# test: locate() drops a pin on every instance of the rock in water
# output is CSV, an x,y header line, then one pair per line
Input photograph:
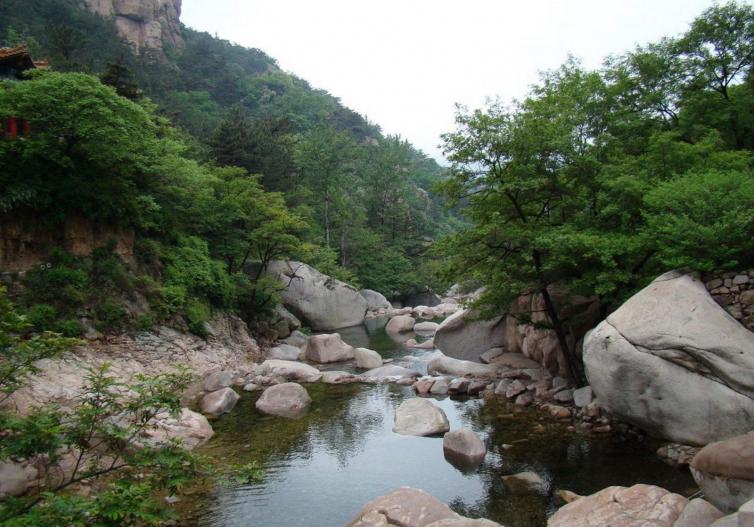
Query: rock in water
x,y
324,303
409,507
419,417
463,447
290,370
725,472
400,324
461,337
524,483
449,366
389,371
375,300
191,428
219,402
426,327
640,505
674,363
367,359
328,348
288,400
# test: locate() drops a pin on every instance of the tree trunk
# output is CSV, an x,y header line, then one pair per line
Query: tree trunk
x,y
572,361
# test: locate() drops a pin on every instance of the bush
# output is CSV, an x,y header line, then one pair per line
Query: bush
x,y
70,328
197,313
191,267
110,316
41,317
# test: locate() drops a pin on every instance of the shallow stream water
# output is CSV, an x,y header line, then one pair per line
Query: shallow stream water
x,y
322,469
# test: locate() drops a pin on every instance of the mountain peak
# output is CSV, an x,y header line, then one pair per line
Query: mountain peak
x,y
148,25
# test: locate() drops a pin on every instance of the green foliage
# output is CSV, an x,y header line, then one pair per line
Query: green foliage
x,y
599,180
98,437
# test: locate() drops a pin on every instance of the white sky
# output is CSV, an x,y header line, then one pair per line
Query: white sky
x,y
405,63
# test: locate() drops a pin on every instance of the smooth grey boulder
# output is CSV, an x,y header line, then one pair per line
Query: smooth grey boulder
x,y
13,481
289,370
400,324
463,447
405,506
419,417
389,371
698,513
426,327
367,359
219,402
289,400
450,366
323,302
218,380
296,339
462,337
440,387
583,396
284,352
725,472
375,300
673,362
328,347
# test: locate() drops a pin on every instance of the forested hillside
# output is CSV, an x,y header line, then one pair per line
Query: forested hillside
x,y
310,178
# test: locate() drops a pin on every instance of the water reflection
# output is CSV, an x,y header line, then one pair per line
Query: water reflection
x,y
323,468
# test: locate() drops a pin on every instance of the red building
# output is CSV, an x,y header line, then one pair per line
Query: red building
x,y
13,63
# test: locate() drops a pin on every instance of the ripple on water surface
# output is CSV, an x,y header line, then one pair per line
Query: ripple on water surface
x,y
322,469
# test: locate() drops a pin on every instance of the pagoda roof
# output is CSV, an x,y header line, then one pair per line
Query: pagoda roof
x,y
18,57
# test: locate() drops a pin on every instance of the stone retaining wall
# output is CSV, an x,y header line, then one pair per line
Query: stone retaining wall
x,y
734,291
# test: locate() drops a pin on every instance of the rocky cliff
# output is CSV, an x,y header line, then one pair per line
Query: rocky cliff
x,y
149,25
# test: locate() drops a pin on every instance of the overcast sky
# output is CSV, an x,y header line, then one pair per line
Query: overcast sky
x,y
405,63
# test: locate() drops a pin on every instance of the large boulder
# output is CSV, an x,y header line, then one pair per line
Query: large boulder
x,y
419,417
409,507
218,380
400,324
463,447
637,506
674,363
190,428
461,336
328,347
219,402
450,366
698,513
389,371
725,472
283,352
367,359
288,400
323,302
375,301
289,370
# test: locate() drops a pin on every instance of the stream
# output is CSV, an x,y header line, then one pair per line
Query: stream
x,y
322,469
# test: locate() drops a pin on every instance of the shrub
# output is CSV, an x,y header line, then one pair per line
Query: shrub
x,y
197,313
110,316
41,317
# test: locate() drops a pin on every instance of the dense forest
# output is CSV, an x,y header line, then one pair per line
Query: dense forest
x,y
217,158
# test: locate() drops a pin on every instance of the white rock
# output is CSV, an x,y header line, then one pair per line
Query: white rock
x,y
219,402
674,363
283,352
367,359
218,380
327,348
449,366
288,400
400,324
323,302
289,370
419,417
375,300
